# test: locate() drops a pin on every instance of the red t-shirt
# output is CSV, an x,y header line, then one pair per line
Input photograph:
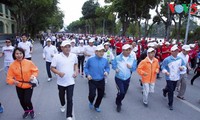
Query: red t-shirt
x,y
165,51
112,42
119,47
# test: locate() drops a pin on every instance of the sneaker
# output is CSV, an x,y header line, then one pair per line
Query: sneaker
x,y
98,109
191,82
25,115
69,118
140,82
158,77
170,107
62,108
182,98
49,79
1,109
118,109
91,106
164,92
145,104
32,114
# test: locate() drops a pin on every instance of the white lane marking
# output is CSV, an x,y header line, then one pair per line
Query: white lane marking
x,y
1,69
190,105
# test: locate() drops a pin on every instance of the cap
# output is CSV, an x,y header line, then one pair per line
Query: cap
x,y
192,45
150,50
99,47
155,43
160,43
186,47
73,41
106,43
48,39
126,46
81,41
174,48
150,44
167,43
64,43
91,40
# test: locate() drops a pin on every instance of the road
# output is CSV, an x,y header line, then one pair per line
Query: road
x,y
47,106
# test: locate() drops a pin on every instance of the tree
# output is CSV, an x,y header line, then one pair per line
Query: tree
x,y
132,11
105,19
26,14
88,11
77,26
157,20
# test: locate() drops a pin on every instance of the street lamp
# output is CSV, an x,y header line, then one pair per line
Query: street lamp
x,y
188,23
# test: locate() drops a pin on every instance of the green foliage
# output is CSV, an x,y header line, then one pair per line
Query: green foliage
x,y
88,9
132,10
35,15
76,26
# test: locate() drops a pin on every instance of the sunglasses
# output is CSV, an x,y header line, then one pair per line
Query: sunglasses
x,y
8,42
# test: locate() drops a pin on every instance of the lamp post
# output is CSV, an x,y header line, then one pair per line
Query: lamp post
x,y
188,24
103,26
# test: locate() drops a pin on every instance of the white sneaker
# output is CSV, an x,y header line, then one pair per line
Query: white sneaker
x,y
49,79
62,108
69,118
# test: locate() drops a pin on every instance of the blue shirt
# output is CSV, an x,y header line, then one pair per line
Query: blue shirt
x,y
171,65
121,64
96,66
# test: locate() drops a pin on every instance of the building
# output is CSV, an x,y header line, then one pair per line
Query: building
x,y
7,22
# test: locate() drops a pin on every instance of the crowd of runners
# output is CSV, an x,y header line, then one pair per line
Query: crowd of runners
x,y
92,57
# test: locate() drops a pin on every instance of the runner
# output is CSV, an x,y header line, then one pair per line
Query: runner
x,y
65,65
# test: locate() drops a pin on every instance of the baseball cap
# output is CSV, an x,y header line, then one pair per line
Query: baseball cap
x,y
48,39
64,43
150,50
192,45
186,47
73,41
106,43
174,48
151,44
99,47
91,40
81,41
167,43
126,46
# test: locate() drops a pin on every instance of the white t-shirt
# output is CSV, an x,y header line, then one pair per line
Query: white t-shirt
x,y
53,38
81,50
66,65
89,50
108,55
7,51
185,59
74,50
26,46
133,55
135,49
49,52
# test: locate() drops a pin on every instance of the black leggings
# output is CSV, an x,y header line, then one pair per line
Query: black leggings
x,y
48,65
195,76
24,96
81,62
